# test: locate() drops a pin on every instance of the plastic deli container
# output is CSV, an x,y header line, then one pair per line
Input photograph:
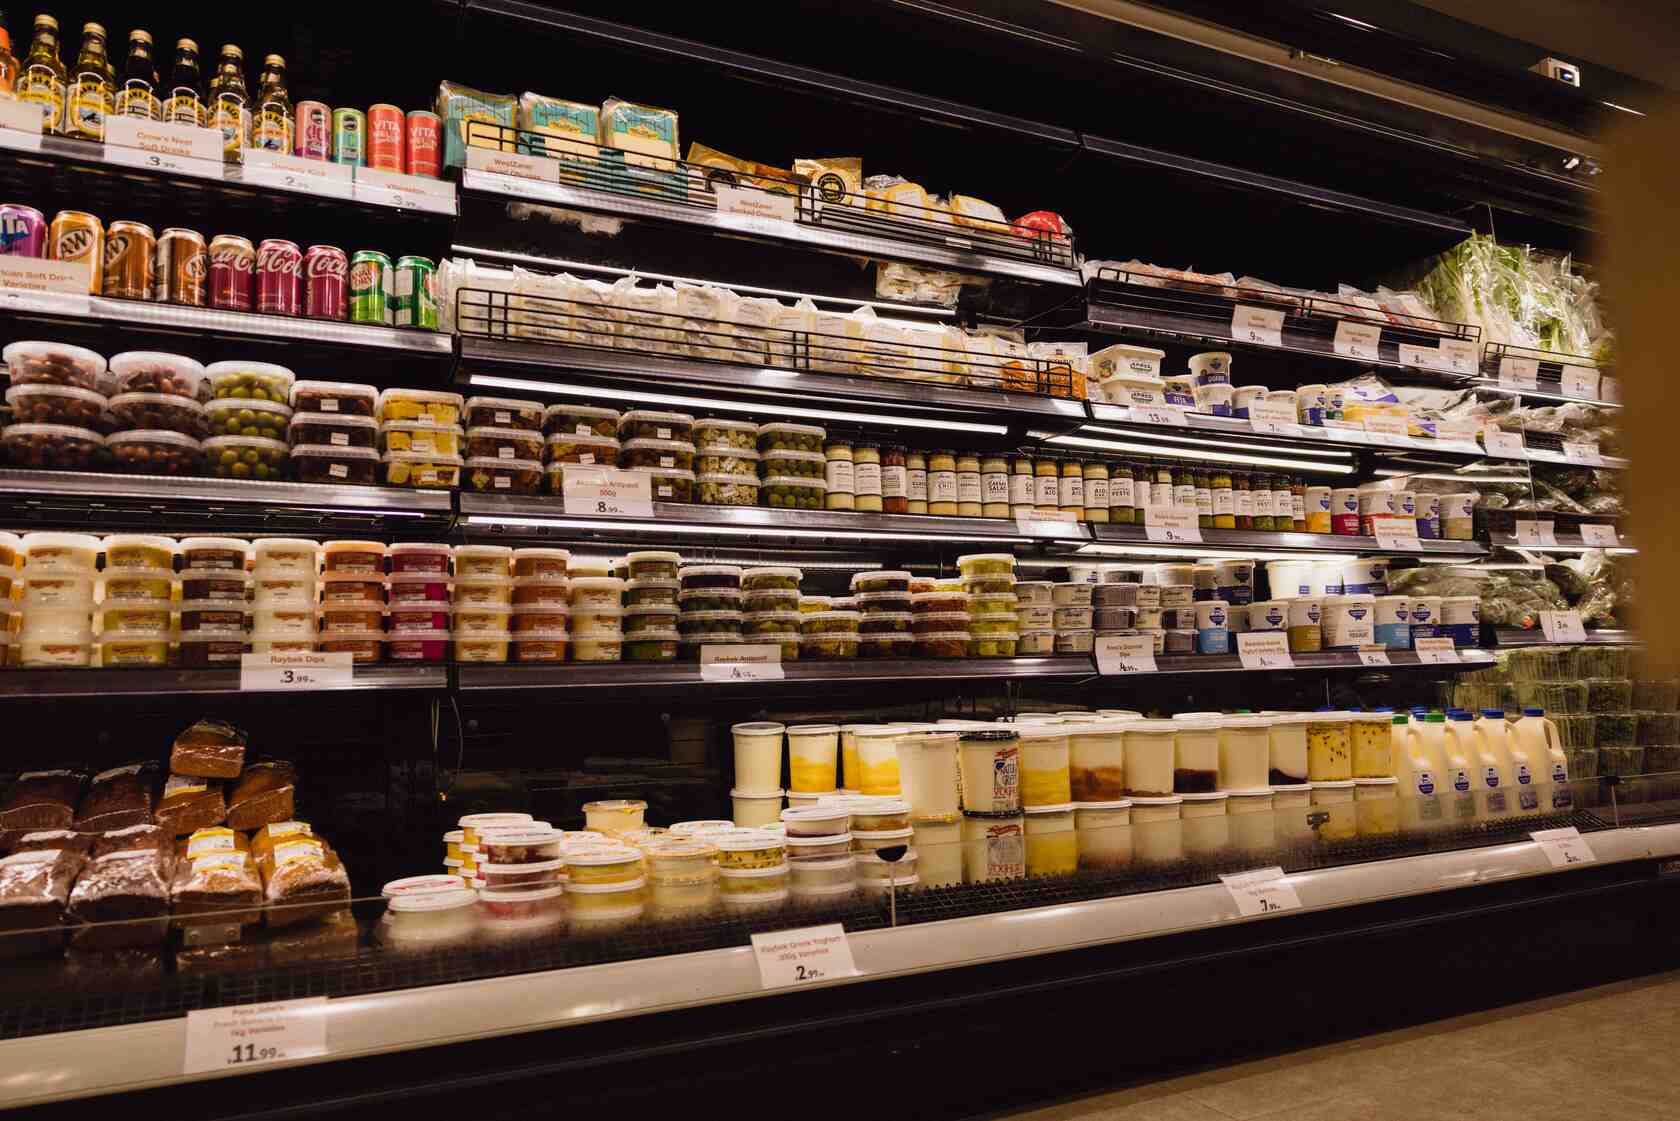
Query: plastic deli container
x,y
53,363
334,397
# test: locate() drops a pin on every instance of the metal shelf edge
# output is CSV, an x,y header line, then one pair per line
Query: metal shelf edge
x,y
26,684
96,487
1300,542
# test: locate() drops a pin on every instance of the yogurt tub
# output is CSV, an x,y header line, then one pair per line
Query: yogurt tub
x,y
1206,825
1244,752
760,887
1376,806
1306,632
137,648
1196,753
58,592
591,622
1157,830
1348,621
602,864
1213,627
482,646
1344,511
639,592
929,774
1244,396
755,808
1150,757
749,848
598,907
758,757
1461,618
418,587
1428,516
412,557
130,550
1103,833
1393,627
833,872
1287,748
1213,399
529,618
1426,614
1268,615
877,771
872,869
938,847
1458,515
813,757
275,621
1052,845
807,798
676,859
1044,765
138,617
868,842
1338,817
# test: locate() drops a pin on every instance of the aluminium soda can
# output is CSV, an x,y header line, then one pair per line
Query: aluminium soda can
x,y
325,268
386,132
349,137
414,303
233,262
182,265
313,130
370,277
279,279
130,251
425,144
23,231
79,237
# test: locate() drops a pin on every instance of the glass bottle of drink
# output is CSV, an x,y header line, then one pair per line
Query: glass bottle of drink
x,y
42,79
91,92
230,104
273,118
137,93
8,61
184,104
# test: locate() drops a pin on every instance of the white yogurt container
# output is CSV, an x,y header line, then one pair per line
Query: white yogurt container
x,y
1213,627
1211,367
1365,576
1157,831
1268,615
1393,622
1244,396
1348,621
758,757
755,810
1426,617
1214,400
1375,504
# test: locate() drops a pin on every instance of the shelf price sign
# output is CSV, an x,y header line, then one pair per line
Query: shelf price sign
x,y
1600,536
1458,355
1580,383
1357,340
1159,414
1538,534
1124,655
1582,451
1374,658
741,662
1519,373
1562,626
1264,891
1262,326
1436,651
1273,418
1172,525
1264,650
1564,847
790,958
253,1035
1506,445
164,146
289,673
608,492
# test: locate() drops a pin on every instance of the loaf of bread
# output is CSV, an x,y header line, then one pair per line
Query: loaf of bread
x,y
209,749
215,881
44,839
264,839
303,880
41,800
263,794
190,804
118,798
34,891
334,938
121,899
134,837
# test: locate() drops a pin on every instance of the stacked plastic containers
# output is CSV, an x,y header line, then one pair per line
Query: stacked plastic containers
x,y
504,445
333,432
158,407
884,616
709,602
651,610
57,601
757,794
286,589
726,463
215,608
661,446
584,435
989,580
482,603
420,438
248,417
1073,611
793,471
1035,619
139,585
770,608
541,619
419,611
57,397
354,612
597,614
821,863
939,619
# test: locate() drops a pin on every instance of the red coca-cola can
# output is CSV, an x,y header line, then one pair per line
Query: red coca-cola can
x,y
313,132
279,277
386,137
232,262
425,144
326,272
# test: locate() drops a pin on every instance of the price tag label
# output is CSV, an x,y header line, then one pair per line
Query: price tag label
x,y
286,673
1422,357
246,1036
1506,445
1600,536
1264,650
293,173
1519,373
1273,418
1394,533
1357,340
1388,427
1536,533
789,958
1580,383
164,146
1583,451
1059,523
390,188
1459,355
741,662
746,202
1390,542
1264,891
1125,654
1174,525
1610,389
20,125
515,165
1562,626
1436,651
1374,658
608,492
1262,326
1564,847
1159,414
38,274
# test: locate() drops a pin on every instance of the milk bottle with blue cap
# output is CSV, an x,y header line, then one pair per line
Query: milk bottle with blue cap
x,y
1420,765
1540,742
1497,795
1460,750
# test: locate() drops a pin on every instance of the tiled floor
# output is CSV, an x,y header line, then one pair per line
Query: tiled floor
x,y
1605,1054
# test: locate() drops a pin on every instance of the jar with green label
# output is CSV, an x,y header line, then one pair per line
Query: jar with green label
x,y
1224,500
1122,494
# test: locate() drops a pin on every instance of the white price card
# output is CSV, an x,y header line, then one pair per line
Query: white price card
x,y
1374,658
1123,655
1388,426
1536,534
1174,525
1159,414
1048,523
1436,651
390,188
294,173
164,146
1264,650
1264,891
746,202
1582,451
1600,536
1421,357
608,492
1273,418
1390,542
1458,355
1506,445
1262,326
1395,533
246,1036
514,165
286,673
1562,626
788,958
1357,340
1580,383
1609,389
1519,373
741,662
1564,847
20,125
38,274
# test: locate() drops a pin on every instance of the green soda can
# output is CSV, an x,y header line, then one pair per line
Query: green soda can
x,y
349,143
415,300
370,285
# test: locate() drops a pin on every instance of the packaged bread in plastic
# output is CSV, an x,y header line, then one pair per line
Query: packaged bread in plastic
x,y
132,837
838,179
243,956
34,891
265,838
263,794
132,968
122,898
190,803
334,938
470,120
117,798
563,130
216,886
303,879
44,839
41,800
209,749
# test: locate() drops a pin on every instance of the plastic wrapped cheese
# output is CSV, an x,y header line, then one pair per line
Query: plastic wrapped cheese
x,y
891,194
649,324
646,134
966,210
789,324
462,108
753,319
887,346
838,179
836,338
564,130
702,306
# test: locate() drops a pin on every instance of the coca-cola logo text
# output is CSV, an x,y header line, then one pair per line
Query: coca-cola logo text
x,y
326,265
279,259
234,257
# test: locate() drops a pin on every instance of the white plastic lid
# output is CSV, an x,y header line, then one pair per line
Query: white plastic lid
x,y
432,396
1169,800
749,794
594,583
684,574
479,821
1328,784
794,481
25,349
442,899
1060,807
1390,780
886,834
60,431
654,414
1205,796
92,397
534,866
812,729
335,389
1256,792
218,544
567,409
797,429
342,420
602,854
421,885
753,873
586,889
653,556
726,425
1119,804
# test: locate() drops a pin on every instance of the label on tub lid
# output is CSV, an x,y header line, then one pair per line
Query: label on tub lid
x,y
791,958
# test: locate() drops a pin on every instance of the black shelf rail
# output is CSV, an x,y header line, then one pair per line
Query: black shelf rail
x,y
1551,368
1127,300
21,684
1263,541
1523,636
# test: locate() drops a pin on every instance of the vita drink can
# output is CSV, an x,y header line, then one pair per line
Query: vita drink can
x,y
313,130
425,144
23,231
370,287
386,130
414,300
349,137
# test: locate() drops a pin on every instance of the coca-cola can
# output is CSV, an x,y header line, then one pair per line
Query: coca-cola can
x,y
326,272
313,131
232,261
279,277
180,268
23,231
